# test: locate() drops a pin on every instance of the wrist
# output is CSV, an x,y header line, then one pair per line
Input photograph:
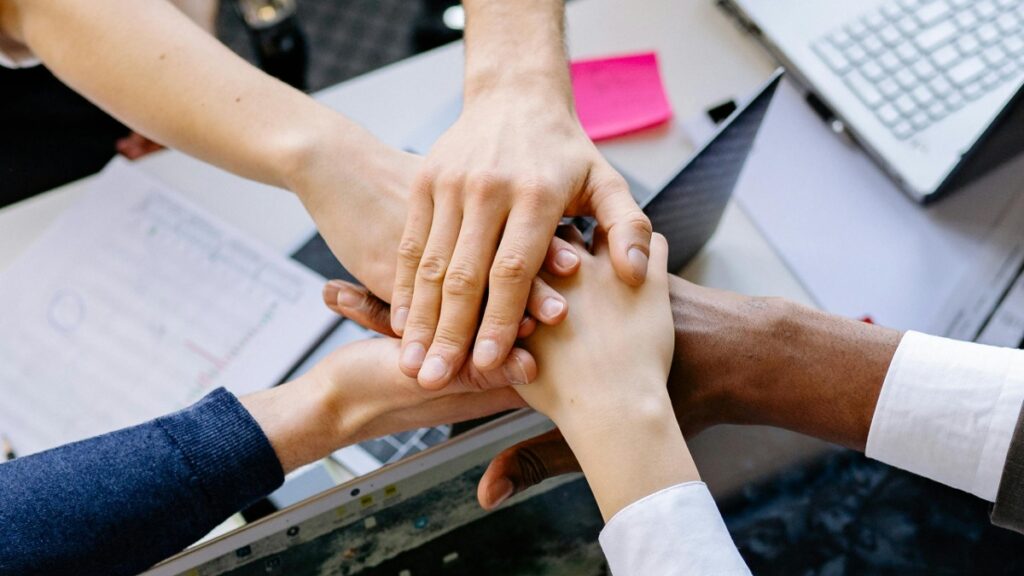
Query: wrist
x,y
299,419
630,454
586,421
822,377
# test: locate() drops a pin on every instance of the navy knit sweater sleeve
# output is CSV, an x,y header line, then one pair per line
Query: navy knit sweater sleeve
x,y
119,503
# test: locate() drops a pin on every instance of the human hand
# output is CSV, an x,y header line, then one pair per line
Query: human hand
x,y
741,360
358,393
483,210
601,378
366,309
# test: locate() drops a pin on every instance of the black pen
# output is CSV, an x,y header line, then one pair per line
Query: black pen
x,y
8,449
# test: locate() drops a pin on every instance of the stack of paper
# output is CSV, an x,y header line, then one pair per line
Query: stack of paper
x,y
136,303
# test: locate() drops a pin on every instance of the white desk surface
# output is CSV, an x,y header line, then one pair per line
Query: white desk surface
x,y
704,60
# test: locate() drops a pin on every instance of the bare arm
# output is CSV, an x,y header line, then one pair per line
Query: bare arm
x,y
486,204
147,64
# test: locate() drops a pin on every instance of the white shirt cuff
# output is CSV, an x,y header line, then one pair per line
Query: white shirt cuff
x,y
947,411
677,531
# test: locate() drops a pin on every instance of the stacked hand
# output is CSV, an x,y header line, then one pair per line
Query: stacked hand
x,y
482,214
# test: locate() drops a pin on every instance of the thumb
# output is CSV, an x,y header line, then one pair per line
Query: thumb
x,y
524,465
359,305
629,230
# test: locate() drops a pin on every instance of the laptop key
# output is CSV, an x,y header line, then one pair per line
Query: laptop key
x,y
906,105
889,88
954,101
973,90
994,56
940,86
1014,46
986,9
989,79
937,110
890,35
841,39
936,36
855,54
966,20
908,53
923,95
863,88
873,45
835,59
908,25
946,56
966,71
924,70
889,115
987,33
968,44
932,13
890,62
903,130
920,120
872,71
1008,69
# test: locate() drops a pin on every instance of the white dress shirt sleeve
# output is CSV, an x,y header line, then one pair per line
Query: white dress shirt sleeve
x,y
677,531
947,411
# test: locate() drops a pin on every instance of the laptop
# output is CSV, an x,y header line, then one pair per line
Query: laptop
x,y
419,516
930,88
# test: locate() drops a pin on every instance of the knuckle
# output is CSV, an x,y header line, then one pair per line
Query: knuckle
x,y
474,380
511,267
462,280
449,341
531,467
485,181
432,269
638,220
410,251
537,190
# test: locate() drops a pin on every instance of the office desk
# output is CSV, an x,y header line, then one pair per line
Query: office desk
x,y
704,60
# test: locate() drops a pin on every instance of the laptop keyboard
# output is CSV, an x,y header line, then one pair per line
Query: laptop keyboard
x,y
914,62
388,449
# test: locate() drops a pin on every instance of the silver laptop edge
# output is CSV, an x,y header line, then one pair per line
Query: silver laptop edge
x,y
924,165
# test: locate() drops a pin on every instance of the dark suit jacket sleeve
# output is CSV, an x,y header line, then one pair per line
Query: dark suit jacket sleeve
x,y
1008,511
119,503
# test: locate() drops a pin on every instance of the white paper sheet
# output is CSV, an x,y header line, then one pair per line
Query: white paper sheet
x,y
136,303
859,245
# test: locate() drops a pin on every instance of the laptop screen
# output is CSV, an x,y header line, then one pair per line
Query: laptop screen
x,y
418,517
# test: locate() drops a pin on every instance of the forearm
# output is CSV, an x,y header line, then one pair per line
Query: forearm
x,y
118,503
825,377
517,46
299,419
607,444
764,361
147,64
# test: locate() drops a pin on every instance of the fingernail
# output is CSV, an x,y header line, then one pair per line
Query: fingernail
x,y
638,260
486,353
500,491
514,371
401,315
566,259
551,308
349,297
434,369
412,356
331,290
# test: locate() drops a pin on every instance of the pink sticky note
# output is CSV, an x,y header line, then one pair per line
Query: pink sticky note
x,y
619,95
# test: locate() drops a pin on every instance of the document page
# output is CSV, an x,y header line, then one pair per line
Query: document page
x,y
136,303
